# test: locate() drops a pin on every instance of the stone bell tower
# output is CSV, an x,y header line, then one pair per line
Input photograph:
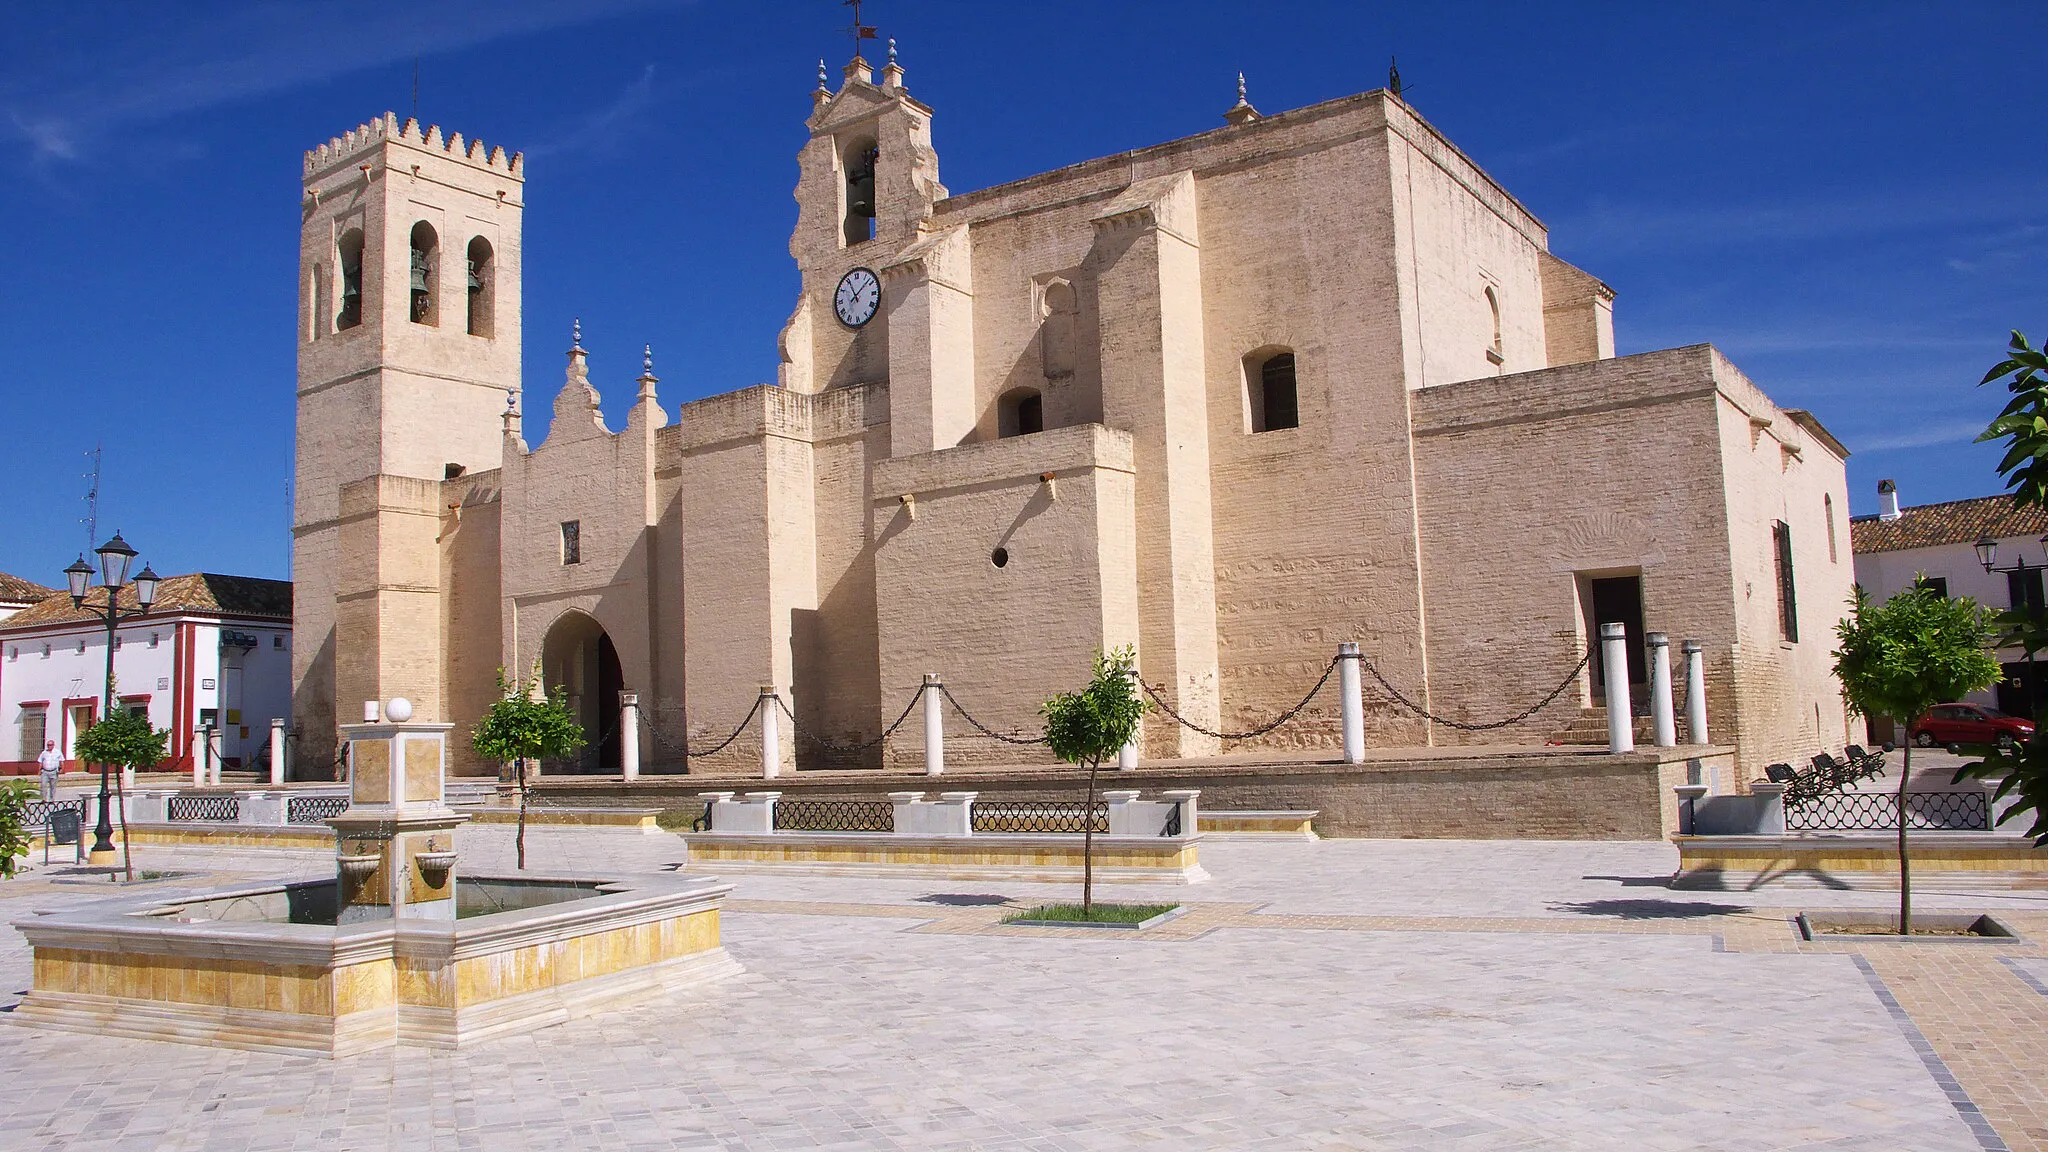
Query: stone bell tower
x,y
866,184
408,333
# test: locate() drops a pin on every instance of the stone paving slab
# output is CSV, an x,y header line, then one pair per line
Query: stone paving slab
x,y
1342,994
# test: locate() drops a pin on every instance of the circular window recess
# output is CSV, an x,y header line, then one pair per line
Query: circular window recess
x,y
1000,557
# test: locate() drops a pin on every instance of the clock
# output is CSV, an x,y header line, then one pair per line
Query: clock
x,y
858,296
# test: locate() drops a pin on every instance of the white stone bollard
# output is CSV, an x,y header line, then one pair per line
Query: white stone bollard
x,y
1695,693
1660,690
629,735
276,751
201,753
1351,696
771,734
934,727
1621,735
1127,756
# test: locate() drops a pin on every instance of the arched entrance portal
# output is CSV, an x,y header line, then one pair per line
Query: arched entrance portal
x,y
578,656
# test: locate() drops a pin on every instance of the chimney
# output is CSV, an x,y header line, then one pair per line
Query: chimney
x,y
1887,500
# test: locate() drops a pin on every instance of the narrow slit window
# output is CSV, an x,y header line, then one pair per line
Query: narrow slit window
x,y
1827,507
1494,352
572,542
1788,600
349,254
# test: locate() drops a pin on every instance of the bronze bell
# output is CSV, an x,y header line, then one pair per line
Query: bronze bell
x,y
475,281
419,271
860,185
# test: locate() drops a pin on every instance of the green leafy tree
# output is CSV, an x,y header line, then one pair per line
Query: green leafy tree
x,y
121,741
2022,772
1086,727
14,840
1903,657
526,723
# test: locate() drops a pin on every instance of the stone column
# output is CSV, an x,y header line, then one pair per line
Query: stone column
x,y
202,751
276,751
1351,699
395,846
1695,693
934,726
629,735
771,734
1621,735
1660,690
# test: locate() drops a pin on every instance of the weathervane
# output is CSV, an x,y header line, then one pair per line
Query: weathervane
x,y
859,30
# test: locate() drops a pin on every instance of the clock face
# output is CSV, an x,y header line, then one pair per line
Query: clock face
x,y
858,296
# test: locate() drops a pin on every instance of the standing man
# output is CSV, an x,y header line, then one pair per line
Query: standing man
x,y
50,764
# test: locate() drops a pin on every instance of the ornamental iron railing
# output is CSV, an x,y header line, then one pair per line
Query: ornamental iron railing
x,y
1037,816
206,808
825,815
38,812
313,809
1876,811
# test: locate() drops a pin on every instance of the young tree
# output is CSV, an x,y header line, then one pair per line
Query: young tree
x,y
2022,773
1087,726
14,839
123,740
526,723
1901,658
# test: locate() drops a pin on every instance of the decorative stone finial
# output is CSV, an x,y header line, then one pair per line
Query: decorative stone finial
x,y
576,335
1241,112
647,361
892,50
821,75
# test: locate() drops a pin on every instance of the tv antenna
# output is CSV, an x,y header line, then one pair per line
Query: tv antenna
x,y
92,501
415,87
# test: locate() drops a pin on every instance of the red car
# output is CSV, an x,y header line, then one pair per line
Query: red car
x,y
1969,724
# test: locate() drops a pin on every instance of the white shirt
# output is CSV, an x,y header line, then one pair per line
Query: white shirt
x,y
50,760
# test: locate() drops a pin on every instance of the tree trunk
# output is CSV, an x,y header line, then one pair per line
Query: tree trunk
x,y
121,800
520,840
1905,873
1088,844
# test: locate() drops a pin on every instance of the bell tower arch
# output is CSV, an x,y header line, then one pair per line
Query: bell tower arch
x,y
399,387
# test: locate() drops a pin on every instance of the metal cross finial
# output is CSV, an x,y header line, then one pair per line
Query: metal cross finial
x,y
892,50
821,75
860,31
576,335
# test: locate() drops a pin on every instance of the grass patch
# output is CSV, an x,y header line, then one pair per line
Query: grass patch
x,y
1099,914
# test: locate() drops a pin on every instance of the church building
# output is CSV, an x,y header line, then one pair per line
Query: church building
x,y
1305,378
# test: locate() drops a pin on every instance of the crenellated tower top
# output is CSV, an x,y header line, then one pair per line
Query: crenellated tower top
x,y
346,146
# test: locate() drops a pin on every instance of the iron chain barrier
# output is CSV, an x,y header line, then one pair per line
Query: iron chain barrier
x,y
1283,718
1467,726
830,745
984,729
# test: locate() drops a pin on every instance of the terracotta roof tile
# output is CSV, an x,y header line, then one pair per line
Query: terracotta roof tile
x,y
15,590
1952,522
203,592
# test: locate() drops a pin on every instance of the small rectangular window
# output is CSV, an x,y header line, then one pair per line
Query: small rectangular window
x,y
2023,590
1936,584
572,541
277,641
1788,603
153,638
1276,402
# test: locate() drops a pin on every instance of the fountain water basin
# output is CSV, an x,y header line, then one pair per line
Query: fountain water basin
x,y
396,948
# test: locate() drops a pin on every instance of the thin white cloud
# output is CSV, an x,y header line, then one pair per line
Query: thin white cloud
x,y
61,107
605,128
1924,436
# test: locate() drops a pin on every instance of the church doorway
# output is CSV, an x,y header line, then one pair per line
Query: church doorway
x,y
578,656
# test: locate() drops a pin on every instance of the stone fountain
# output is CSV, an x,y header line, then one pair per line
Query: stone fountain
x,y
394,949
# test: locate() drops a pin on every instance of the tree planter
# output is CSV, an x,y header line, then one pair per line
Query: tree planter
x,y
1928,928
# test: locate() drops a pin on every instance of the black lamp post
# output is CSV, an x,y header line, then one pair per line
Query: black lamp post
x,y
115,556
1987,555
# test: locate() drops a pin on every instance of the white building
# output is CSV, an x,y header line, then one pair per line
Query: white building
x,y
212,651
1939,542
17,594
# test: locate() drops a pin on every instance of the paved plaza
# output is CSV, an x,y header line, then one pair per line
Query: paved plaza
x,y
1339,994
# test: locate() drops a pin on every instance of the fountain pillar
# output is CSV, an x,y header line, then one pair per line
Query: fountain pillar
x,y
395,846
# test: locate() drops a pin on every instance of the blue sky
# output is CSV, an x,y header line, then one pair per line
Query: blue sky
x,y
1850,199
